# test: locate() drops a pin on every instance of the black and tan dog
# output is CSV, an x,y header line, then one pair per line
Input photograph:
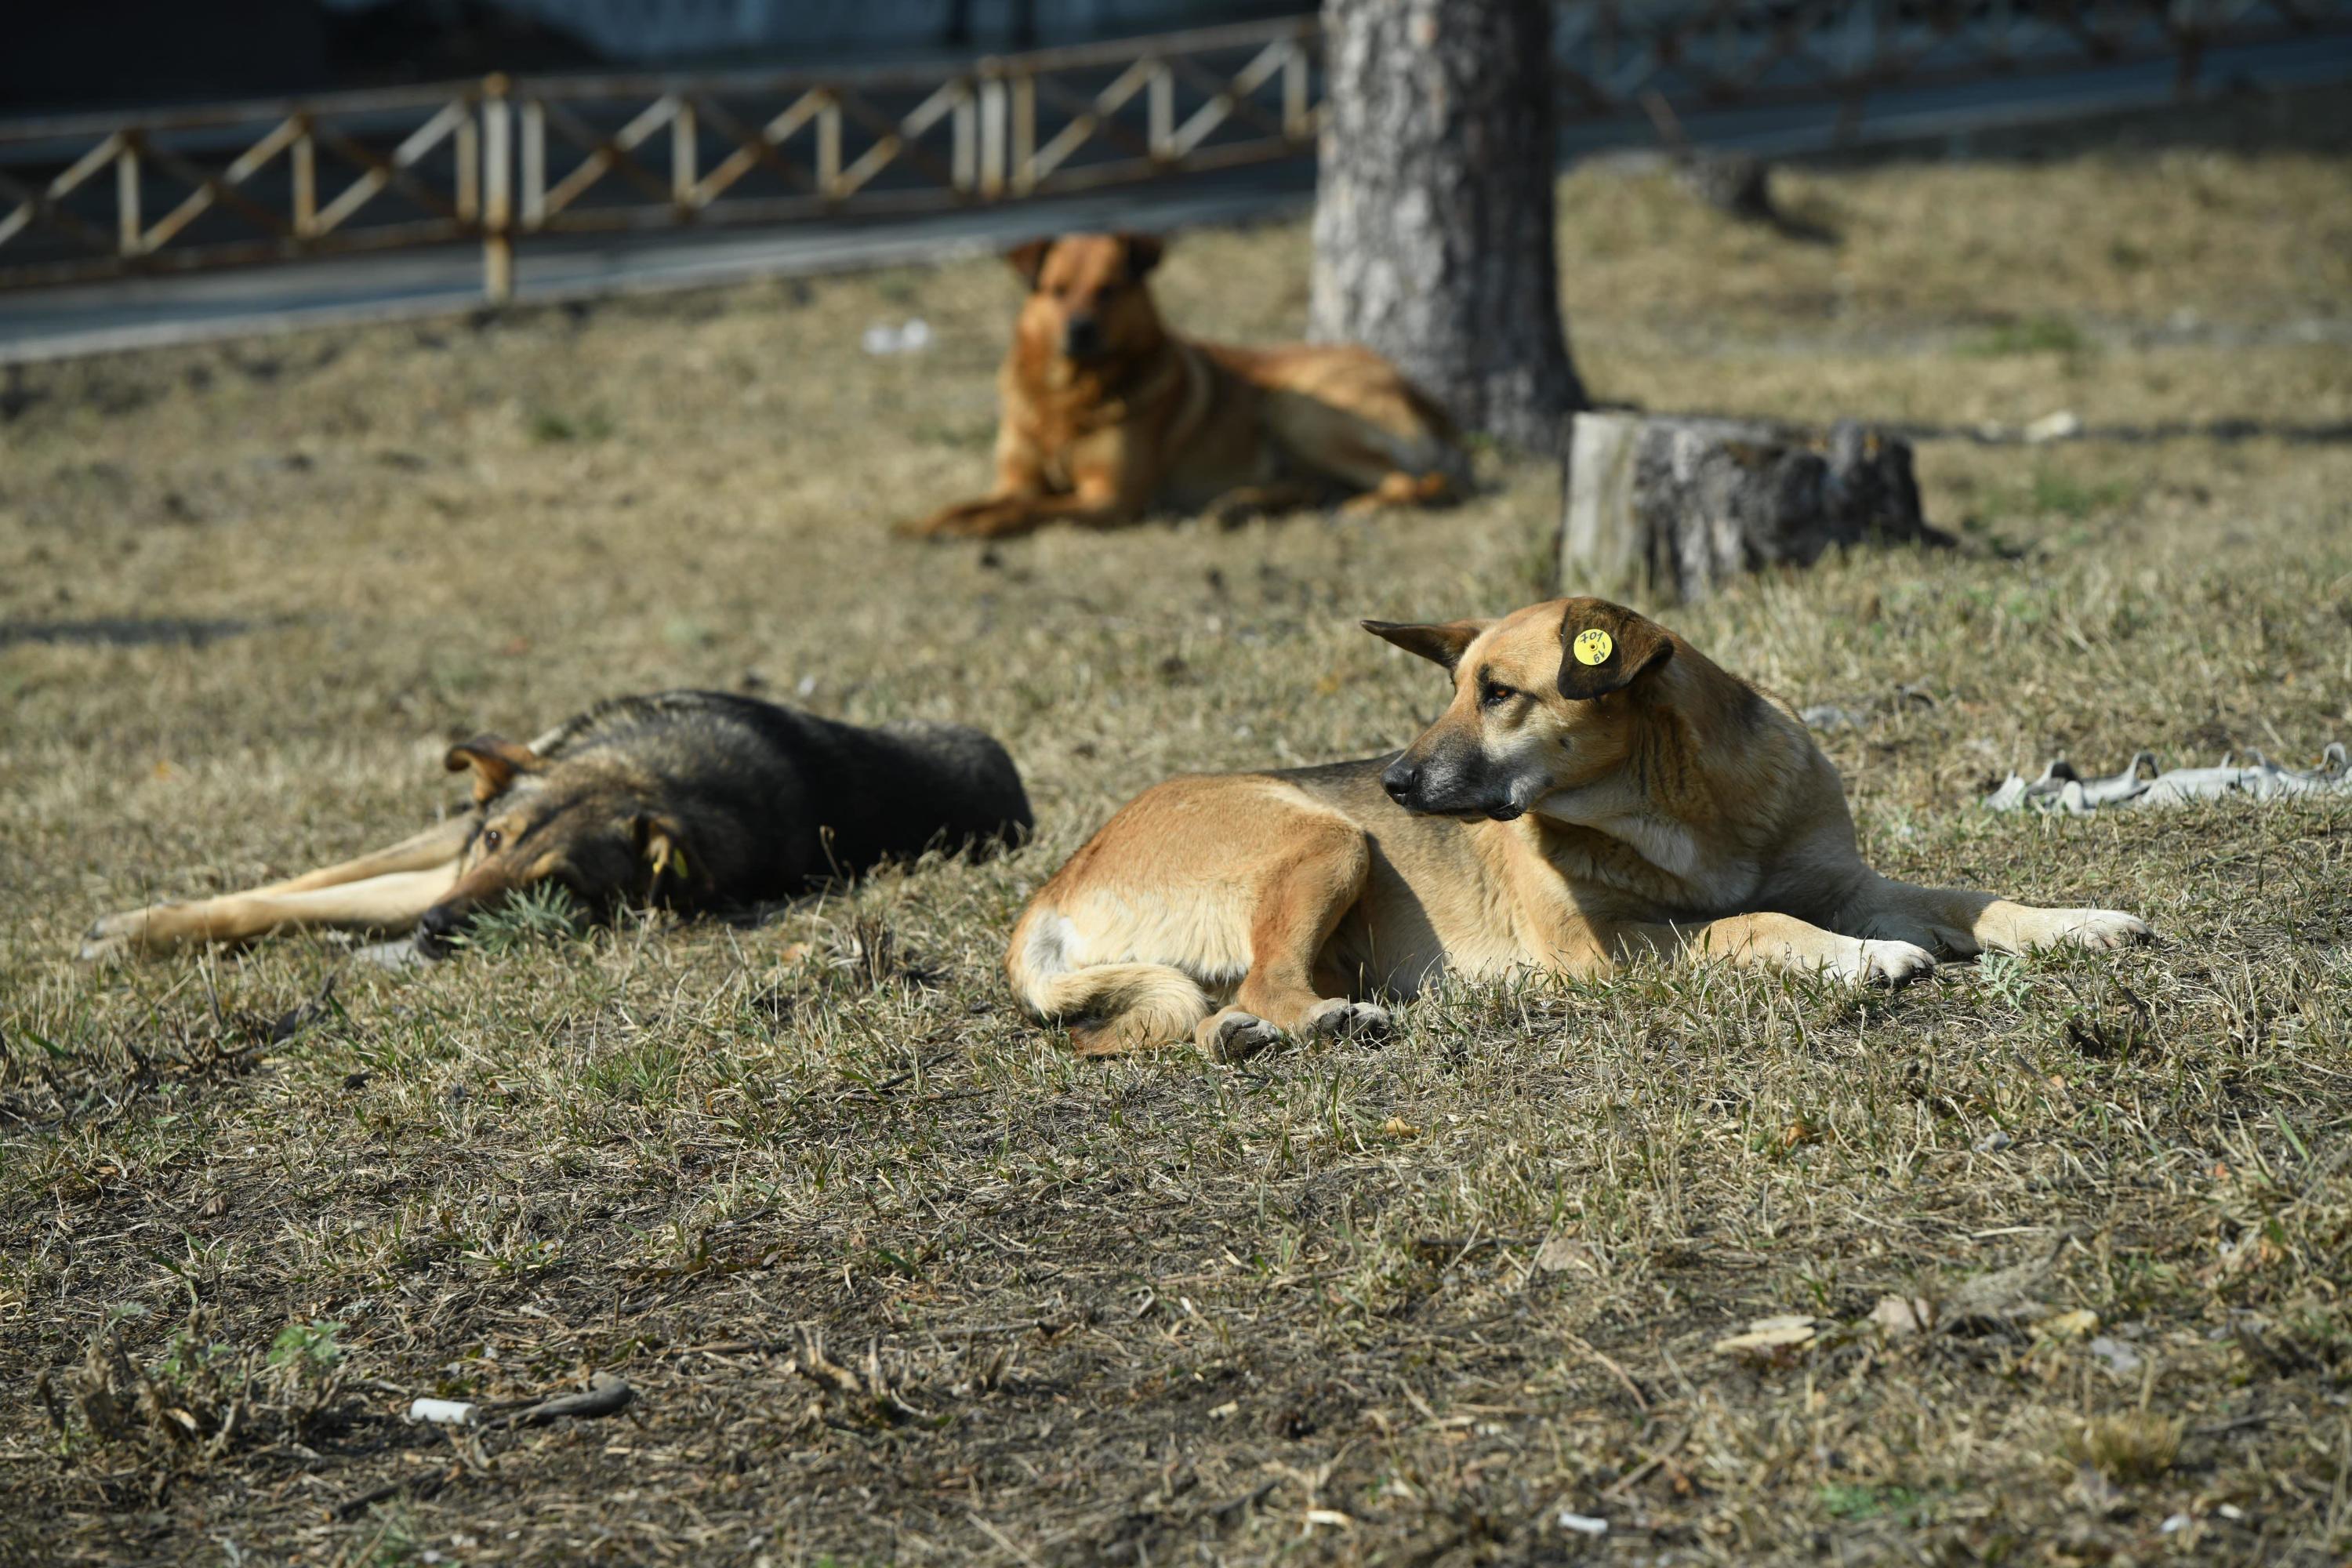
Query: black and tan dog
x,y
1597,790
696,800
1107,414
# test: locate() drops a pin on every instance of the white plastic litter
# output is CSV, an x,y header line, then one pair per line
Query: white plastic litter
x,y
1583,1523
2055,427
2118,1357
2143,782
442,1411
910,337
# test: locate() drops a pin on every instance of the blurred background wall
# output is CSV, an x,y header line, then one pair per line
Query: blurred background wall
x,y
91,54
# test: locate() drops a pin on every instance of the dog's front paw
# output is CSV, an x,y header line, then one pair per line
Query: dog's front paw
x,y
115,936
938,525
97,948
1893,965
1340,1019
970,520
2102,930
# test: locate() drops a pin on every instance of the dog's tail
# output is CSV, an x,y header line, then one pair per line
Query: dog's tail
x,y
1107,1007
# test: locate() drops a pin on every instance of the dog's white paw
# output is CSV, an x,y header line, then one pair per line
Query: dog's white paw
x,y
1340,1018
113,937
2102,930
1234,1035
97,948
1889,963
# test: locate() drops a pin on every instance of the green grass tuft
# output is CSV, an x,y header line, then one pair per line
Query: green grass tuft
x,y
535,917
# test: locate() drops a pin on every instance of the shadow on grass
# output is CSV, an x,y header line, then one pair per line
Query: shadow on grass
x,y
123,631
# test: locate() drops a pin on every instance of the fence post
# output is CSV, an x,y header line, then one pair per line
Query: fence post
x,y
531,158
1163,112
466,151
1295,121
304,160
129,230
498,195
966,132
1023,155
683,170
992,111
828,148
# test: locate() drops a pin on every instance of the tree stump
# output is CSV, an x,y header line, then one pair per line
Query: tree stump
x,y
1435,207
1674,509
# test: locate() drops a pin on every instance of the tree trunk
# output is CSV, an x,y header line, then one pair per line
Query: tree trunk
x,y
1434,207
1674,509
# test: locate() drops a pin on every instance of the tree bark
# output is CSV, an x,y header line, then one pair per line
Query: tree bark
x,y
1674,509
1434,207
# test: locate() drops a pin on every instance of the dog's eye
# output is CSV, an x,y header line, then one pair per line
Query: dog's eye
x,y
491,839
1494,694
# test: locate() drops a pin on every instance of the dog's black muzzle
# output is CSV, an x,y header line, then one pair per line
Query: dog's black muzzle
x,y
1436,789
1081,337
435,927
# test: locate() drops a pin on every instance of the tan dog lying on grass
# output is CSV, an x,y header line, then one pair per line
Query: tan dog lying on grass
x,y
1107,414
1598,791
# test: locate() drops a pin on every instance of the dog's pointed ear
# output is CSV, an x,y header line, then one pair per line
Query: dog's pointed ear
x,y
1143,253
495,760
1028,259
1605,648
661,839
1440,643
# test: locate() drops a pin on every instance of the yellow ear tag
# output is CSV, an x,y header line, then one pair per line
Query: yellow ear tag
x,y
1594,645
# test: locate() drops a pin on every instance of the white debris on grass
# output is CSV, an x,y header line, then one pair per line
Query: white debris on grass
x,y
2118,1357
882,339
442,1411
2058,426
2143,782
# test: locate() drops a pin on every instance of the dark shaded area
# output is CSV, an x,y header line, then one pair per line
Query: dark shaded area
x,y
95,54
2224,431
431,40
123,631
102,54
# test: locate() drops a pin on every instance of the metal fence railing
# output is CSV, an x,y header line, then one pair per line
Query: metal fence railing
x,y
498,161
501,160
89,197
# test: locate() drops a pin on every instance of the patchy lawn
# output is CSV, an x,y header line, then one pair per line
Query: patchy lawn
x,y
894,1277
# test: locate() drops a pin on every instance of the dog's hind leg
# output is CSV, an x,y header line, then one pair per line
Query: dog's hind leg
x,y
436,845
1963,923
1398,489
387,905
1390,460
1236,507
1296,901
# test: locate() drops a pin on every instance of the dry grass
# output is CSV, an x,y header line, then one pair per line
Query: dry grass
x,y
1401,1303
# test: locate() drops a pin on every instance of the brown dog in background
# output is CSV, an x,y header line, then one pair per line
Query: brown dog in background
x,y
1107,414
1597,791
